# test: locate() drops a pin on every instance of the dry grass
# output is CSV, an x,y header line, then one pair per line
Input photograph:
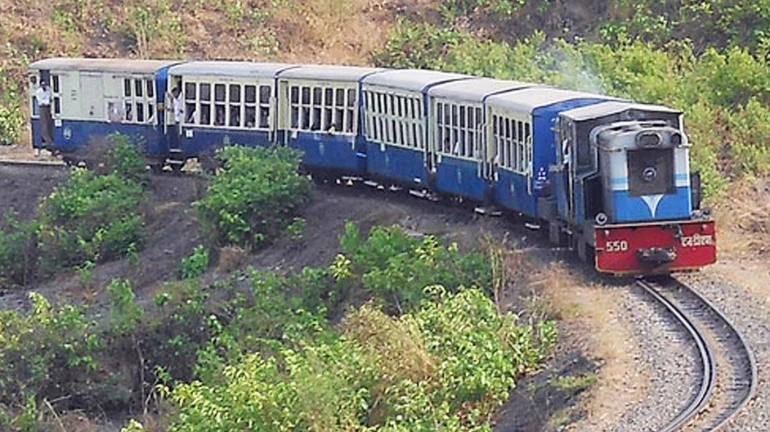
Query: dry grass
x,y
593,318
743,219
399,347
231,258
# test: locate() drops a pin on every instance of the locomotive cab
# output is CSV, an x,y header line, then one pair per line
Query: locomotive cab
x,y
627,197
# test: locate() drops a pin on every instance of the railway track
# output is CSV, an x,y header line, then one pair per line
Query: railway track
x,y
33,163
728,369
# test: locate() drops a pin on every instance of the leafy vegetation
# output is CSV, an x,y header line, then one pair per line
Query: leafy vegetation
x,y
195,264
444,358
255,195
90,218
460,362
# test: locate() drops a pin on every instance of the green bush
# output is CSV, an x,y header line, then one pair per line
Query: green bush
x,y
255,196
89,218
336,381
126,159
51,352
397,267
195,264
17,251
12,120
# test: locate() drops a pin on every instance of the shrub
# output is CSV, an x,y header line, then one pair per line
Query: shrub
x,y
397,267
255,196
89,218
195,264
126,159
446,366
18,253
49,353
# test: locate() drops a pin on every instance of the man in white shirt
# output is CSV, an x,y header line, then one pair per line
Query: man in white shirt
x,y
43,97
178,107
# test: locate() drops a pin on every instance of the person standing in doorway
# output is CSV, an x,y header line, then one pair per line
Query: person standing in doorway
x,y
176,139
43,97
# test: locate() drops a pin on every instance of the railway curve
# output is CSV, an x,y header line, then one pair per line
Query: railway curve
x,y
728,367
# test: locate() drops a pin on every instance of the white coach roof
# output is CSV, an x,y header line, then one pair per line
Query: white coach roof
x,y
411,79
228,68
527,100
328,73
101,65
475,90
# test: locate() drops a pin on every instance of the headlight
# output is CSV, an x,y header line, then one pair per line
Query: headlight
x,y
649,139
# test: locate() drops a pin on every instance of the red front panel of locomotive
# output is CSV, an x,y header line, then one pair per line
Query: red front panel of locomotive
x,y
650,249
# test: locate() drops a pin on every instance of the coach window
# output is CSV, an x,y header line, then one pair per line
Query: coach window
x,y
350,127
528,146
190,95
508,143
264,106
317,106
150,100
294,103
328,107
235,105
139,88
305,112
339,108
220,95
250,106
204,117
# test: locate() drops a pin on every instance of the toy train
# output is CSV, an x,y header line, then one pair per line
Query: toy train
x,y
609,178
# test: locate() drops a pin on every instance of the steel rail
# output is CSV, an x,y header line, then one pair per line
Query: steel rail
x,y
741,361
707,358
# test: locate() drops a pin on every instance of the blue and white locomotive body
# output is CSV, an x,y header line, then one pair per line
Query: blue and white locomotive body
x,y
610,178
96,97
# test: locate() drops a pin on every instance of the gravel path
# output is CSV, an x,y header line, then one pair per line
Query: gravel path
x,y
672,360
752,318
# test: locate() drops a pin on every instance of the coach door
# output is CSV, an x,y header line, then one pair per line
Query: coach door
x,y
484,149
171,130
92,96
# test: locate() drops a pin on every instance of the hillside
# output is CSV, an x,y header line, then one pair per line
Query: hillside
x,y
154,319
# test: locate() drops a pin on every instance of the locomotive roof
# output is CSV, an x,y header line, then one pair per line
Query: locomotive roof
x,y
228,68
412,79
475,90
529,99
328,73
101,65
613,107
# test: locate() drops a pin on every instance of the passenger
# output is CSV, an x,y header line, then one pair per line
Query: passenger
x,y
43,96
220,116
178,106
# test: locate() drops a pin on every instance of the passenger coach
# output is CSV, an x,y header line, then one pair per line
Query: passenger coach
x,y
223,103
96,97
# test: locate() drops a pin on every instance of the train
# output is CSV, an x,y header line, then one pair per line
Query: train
x,y
609,178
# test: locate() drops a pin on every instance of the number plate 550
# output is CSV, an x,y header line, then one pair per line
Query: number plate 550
x,y
616,246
